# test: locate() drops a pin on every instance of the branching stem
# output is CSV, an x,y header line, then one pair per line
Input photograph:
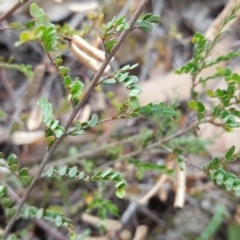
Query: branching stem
x,y
88,92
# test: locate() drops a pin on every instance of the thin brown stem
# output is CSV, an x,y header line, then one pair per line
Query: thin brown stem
x,y
74,113
150,146
183,158
12,10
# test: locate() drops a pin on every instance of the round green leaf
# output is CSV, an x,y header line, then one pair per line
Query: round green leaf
x,y
58,221
62,171
120,193
94,120
230,152
35,11
168,112
192,104
67,81
157,110
49,172
134,91
39,213
144,25
73,171
219,178
145,110
229,184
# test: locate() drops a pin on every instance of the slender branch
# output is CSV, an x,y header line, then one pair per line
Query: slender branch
x,y
12,10
150,146
183,158
5,28
74,113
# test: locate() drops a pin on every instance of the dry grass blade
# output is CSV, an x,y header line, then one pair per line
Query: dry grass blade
x,y
216,24
180,186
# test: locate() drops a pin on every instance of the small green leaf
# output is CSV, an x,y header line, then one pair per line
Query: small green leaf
x,y
177,151
180,163
154,19
134,103
109,81
110,44
157,110
219,178
23,172
42,102
201,107
30,24
192,104
144,25
59,131
210,93
107,173
168,112
230,152
16,25
35,11
39,213
229,184
120,193
73,171
49,172
58,221
3,191
62,171
67,81
145,110
12,159
94,120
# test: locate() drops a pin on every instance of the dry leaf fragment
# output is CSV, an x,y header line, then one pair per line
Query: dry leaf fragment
x,y
22,138
88,48
83,7
85,59
109,224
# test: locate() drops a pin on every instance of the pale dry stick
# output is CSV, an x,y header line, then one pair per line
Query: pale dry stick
x,y
141,232
89,90
216,24
180,186
154,190
13,9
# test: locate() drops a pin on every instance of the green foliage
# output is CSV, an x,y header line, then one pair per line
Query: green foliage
x,y
146,22
215,171
40,28
52,128
25,69
143,167
22,174
33,212
73,172
214,223
103,208
112,28
165,116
